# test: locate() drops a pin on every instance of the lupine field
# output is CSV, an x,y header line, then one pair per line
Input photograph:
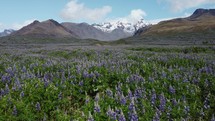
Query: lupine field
x,y
107,84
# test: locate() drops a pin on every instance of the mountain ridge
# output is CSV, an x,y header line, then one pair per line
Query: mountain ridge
x,y
48,28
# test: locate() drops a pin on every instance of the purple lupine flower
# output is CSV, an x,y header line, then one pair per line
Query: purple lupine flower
x,y
133,115
117,110
171,89
138,93
122,99
109,92
15,112
162,102
2,92
131,105
174,102
18,84
118,88
156,117
186,109
121,116
38,108
195,81
109,111
97,97
135,78
85,74
7,90
116,96
164,74
96,74
46,83
24,70
153,98
81,83
22,94
151,79
96,107
90,117
113,115
185,80
4,78
87,99
130,95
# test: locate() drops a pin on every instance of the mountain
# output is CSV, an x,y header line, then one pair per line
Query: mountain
x,y
6,32
45,29
198,27
86,31
119,25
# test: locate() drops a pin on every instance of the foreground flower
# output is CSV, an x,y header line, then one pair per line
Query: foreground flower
x,y
38,108
90,118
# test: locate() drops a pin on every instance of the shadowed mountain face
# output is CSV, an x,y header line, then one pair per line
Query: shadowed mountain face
x,y
49,28
202,12
86,31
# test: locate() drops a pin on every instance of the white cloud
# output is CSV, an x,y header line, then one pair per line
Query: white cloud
x,y
76,11
17,26
180,5
134,16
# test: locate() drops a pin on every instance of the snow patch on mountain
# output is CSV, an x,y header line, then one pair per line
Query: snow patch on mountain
x,y
125,26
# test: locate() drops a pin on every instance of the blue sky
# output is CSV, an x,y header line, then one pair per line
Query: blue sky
x,y
17,13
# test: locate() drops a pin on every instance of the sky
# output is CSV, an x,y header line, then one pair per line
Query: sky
x,y
14,14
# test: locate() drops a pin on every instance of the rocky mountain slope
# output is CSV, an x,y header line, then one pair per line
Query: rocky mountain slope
x,y
86,31
198,27
45,29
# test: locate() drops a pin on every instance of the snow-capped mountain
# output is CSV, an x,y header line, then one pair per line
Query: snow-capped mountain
x,y
125,26
6,32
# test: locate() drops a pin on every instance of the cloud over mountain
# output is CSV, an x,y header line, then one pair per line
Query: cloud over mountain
x,y
134,16
75,10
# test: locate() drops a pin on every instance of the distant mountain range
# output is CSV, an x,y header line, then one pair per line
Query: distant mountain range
x,y
125,26
104,32
86,31
6,32
45,29
197,28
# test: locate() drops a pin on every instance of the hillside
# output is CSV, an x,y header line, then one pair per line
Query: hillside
x,y
197,28
45,29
